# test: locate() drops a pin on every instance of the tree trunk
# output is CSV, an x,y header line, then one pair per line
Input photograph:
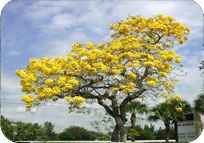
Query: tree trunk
x,y
176,131
115,135
122,129
133,118
167,131
119,133
123,135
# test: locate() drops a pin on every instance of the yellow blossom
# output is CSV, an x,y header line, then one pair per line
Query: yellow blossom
x,y
162,74
152,83
159,46
21,73
168,101
79,99
28,99
123,29
132,75
113,26
49,82
123,86
165,95
28,106
89,45
164,82
67,87
168,45
177,97
149,64
178,109
68,98
181,40
115,89
61,80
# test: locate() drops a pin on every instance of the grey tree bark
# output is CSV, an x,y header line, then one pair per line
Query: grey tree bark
x,y
115,136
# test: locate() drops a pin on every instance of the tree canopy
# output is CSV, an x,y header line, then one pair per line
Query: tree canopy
x,y
199,104
136,63
49,131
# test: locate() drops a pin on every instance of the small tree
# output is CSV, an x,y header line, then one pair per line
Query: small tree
x,y
176,116
7,128
170,113
49,131
159,114
150,128
66,136
135,107
80,133
160,133
29,132
146,135
136,63
199,104
201,67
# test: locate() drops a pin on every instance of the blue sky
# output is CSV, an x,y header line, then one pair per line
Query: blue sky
x,y
34,29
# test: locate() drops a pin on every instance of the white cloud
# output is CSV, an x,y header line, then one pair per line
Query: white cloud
x,y
64,17
60,47
20,109
10,85
13,53
191,84
44,9
63,20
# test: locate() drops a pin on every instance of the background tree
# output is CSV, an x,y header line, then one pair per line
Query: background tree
x,y
177,116
161,112
19,131
199,104
135,107
35,132
7,128
144,133
29,132
104,136
136,63
201,67
150,128
48,129
66,136
170,113
161,133
80,133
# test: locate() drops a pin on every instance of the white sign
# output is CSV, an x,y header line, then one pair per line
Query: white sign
x,y
186,130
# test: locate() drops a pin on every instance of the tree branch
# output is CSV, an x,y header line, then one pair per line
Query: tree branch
x,y
126,100
106,107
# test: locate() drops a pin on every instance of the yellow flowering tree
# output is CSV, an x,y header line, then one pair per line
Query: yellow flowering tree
x,y
135,64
